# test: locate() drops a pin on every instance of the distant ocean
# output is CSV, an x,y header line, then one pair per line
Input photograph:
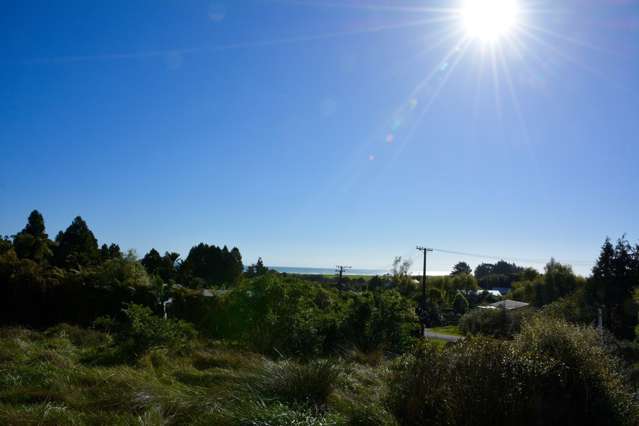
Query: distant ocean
x,y
355,271
327,271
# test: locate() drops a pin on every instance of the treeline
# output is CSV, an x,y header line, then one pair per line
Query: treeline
x,y
540,368
70,279
612,290
77,248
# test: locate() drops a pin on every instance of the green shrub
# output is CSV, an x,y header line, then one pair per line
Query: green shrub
x,y
142,330
418,389
551,373
277,315
590,388
460,304
492,322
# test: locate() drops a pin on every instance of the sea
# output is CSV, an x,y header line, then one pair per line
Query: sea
x,y
327,271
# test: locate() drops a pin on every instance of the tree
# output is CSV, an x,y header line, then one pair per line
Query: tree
x,y
400,268
612,284
256,269
152,261
464,283
461,268
501,274
483,269
165,267
5,244
32,242
209,265
110,252
528,274
76,246
401,277
235,265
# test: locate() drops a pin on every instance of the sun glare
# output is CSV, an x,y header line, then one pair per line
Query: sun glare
x,y
489,20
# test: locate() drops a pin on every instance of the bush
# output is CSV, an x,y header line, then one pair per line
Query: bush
x,y
142,330
418,390
590,388
379,320
552,373
572,308
460,304
288,316
492,322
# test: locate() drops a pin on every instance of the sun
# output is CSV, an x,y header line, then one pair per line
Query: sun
x,y
489,20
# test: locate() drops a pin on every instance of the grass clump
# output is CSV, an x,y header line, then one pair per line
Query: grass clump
x,y
308,384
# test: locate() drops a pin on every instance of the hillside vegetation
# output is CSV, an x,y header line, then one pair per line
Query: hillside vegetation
x,y
92,336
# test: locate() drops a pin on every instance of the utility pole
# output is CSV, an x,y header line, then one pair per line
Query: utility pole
x,y
340,270
425,250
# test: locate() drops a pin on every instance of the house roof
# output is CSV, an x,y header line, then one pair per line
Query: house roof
x,y
508,304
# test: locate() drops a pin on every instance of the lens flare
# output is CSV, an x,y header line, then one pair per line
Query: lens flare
x,y
489,20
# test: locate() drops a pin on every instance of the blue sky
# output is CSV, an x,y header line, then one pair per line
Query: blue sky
x,y
313,133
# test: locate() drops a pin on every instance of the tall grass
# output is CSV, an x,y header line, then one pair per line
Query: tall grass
x,y
307,384
52,378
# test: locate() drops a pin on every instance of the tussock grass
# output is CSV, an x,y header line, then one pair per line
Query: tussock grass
x,y
307,384
73,376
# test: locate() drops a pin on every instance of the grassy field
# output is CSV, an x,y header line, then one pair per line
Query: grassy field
x,y
63,377
449,329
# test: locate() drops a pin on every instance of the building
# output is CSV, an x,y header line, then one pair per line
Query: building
x,y
509,305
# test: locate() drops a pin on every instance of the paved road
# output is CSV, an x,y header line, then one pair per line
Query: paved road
x,y
439,336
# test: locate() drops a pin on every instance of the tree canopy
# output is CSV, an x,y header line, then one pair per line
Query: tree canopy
x,y
461,268
76,246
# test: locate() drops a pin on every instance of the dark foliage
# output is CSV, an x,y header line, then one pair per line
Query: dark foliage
x,y
76,247
500,274
493,322
32,242
612,284
557,281
208,265
551,374
140,330
166,267
461,268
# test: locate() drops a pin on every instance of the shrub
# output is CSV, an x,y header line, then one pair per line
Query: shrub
x,y
492,322
418,389
460,304
551,373
590,388
142,330
276,316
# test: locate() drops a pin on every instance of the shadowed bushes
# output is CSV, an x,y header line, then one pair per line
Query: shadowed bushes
x,y
552,373
493,322
141,330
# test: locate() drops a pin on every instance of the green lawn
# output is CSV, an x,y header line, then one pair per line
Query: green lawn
x,y
448,329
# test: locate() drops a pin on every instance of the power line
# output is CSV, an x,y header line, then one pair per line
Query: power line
x,y
515,259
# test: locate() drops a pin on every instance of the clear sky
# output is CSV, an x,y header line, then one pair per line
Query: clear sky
x,y
318,132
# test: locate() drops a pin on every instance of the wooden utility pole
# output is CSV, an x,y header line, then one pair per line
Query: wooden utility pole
x,y
425,250
340,270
